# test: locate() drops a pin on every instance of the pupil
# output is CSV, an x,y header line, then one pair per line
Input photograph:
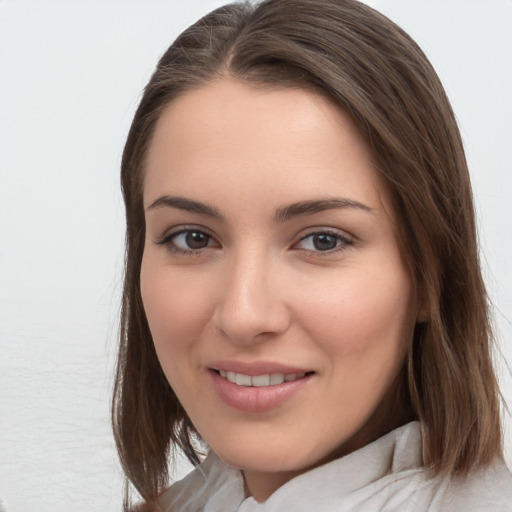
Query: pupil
x,y
324,242
196,240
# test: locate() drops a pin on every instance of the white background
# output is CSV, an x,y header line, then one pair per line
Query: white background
x,y
71,73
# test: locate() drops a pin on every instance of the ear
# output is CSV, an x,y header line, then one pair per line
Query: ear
x,y
423,312
423,316
422,305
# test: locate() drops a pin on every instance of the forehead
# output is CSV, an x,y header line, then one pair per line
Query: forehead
x,y
229,138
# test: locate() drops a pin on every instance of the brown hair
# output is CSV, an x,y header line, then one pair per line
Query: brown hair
x,y
378,75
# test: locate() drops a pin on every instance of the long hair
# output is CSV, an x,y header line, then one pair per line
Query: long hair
x,y
374,72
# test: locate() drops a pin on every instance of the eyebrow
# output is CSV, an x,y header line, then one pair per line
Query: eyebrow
x,y
282,214
309,207
189,205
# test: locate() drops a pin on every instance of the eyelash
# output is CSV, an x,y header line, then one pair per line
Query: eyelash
x,y
342,242
167,240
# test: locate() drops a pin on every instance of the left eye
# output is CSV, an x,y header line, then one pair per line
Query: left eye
x,y
323,241
191,240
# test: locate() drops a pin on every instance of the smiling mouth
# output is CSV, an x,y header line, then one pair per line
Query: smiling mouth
x,y
260,381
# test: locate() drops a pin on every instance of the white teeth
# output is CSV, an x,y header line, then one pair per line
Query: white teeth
x,y
276,378
293,376
260,381
243,380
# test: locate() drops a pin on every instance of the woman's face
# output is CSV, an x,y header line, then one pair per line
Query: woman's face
x,y
272,281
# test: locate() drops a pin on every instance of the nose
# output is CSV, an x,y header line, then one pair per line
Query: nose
x,y
251,306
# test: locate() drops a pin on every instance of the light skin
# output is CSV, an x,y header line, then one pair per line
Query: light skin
x,y
271,240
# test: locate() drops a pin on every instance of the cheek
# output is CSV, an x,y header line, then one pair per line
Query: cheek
x,y
364,312
175,311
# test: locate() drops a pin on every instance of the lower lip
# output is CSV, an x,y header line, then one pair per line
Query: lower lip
x,y
256,399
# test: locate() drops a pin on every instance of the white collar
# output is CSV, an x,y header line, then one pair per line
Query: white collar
x,y
397,452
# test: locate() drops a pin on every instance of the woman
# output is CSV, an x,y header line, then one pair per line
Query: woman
x,y
302,293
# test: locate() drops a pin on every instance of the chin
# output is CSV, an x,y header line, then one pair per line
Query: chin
x,y
270,457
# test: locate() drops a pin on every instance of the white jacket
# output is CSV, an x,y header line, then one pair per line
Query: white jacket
x,y
385,475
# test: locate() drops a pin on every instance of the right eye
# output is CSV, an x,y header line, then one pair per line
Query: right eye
x,y
187,241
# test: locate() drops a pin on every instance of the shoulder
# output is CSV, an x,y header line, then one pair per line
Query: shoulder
x,y
488,488
410,487
185,494
210,483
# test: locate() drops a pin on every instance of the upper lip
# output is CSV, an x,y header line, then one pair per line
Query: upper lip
x,y
257,367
